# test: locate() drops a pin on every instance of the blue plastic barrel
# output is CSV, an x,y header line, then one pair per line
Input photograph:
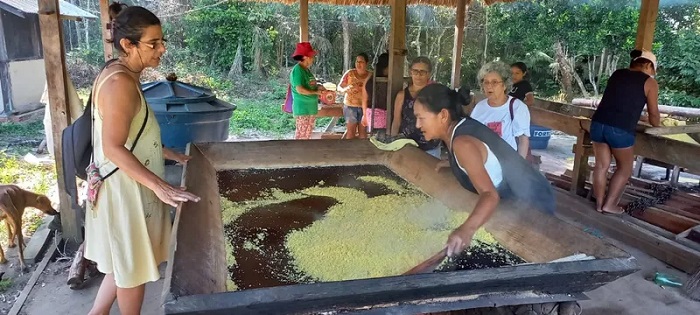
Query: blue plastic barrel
x,y
539,137
187,113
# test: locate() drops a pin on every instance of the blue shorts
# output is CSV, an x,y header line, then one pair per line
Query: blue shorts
x,y
616,138
353,115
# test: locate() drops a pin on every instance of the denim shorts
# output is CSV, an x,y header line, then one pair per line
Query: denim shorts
x,y
353,115
616,138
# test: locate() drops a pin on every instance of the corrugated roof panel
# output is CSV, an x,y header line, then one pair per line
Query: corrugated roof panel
x,y
32,6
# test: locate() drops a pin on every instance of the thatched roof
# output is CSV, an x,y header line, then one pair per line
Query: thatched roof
x,y
447,3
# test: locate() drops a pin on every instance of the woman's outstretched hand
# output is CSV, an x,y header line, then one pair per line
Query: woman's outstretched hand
x,y
173,195
458,240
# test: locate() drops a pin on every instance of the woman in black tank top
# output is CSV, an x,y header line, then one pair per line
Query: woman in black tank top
x,y
439,116
614,123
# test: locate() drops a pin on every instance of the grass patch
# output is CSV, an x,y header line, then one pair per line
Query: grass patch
x,y
5,284
264,115
35,177
20,138
22,130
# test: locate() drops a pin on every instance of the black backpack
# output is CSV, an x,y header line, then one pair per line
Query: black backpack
x,y
77,149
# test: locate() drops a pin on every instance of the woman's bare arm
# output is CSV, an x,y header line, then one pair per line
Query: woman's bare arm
x,y
118,111
468,151
651,87
398,107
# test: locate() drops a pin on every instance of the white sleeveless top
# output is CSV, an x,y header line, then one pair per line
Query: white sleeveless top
x,y
492,165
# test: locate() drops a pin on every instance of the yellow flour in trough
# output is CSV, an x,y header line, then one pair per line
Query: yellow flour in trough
x,y
360,237
363,237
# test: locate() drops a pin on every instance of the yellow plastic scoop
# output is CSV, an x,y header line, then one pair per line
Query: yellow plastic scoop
x,y
393,145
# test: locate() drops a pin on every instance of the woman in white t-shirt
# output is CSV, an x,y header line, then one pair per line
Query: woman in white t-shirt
x,y
505,115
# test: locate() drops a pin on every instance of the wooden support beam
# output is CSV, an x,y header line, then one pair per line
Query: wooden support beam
x,y
562,122
664,149
666,250
646,24
303,20
459,38
106,29
397,54
54,60
5,82
673,130
581,171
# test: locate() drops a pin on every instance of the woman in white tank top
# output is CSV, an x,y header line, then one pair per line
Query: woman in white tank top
x,y
438,110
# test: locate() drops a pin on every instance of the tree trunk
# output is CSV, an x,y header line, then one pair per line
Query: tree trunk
x,y
486,34
237,66
439,47
324,68
591,77
417,41
258,38
566,71
601,67
86,26
347,63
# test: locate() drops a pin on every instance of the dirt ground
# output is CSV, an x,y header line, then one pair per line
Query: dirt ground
x,y
631,295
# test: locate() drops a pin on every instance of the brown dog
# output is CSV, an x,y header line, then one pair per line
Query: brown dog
x,y
13,200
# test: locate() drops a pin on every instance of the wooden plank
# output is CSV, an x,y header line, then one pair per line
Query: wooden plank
x,y
646,24
330,111
686,112
686,237
197,267
400,291
106,29
557,121
673,130
54,60
5,83
668,251
457,47
397,54
669,221
581,170
3,47
19,302
303,20
291,153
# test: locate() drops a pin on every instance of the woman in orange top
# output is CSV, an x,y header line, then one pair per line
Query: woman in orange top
x,y
352,84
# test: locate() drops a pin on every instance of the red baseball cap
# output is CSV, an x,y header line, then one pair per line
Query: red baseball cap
x,y
303,49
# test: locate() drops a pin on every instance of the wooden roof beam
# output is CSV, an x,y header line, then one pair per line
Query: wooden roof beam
x,y
397,54
647,23
461,18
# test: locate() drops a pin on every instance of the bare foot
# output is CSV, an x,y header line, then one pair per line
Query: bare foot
x,y
612,210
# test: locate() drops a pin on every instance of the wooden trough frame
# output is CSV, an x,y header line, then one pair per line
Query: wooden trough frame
x,y
197,272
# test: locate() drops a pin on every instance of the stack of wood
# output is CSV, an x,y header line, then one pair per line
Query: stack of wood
x,y
657,207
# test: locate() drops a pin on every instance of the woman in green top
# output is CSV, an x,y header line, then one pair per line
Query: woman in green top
x,y
305,91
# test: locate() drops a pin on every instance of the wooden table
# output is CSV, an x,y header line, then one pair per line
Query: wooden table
x,y
335,111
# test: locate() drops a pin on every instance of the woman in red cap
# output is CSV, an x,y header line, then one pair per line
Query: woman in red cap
x,y
305,91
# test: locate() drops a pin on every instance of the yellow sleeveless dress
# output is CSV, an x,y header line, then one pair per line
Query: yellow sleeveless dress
x,y
127,232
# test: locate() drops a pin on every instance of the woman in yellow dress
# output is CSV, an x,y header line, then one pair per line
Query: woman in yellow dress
x,y
127,226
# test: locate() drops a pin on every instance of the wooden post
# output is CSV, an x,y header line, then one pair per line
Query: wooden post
x,y
54,61
581,169
5,83
647,22
457,48
397,54
106,29
304,20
